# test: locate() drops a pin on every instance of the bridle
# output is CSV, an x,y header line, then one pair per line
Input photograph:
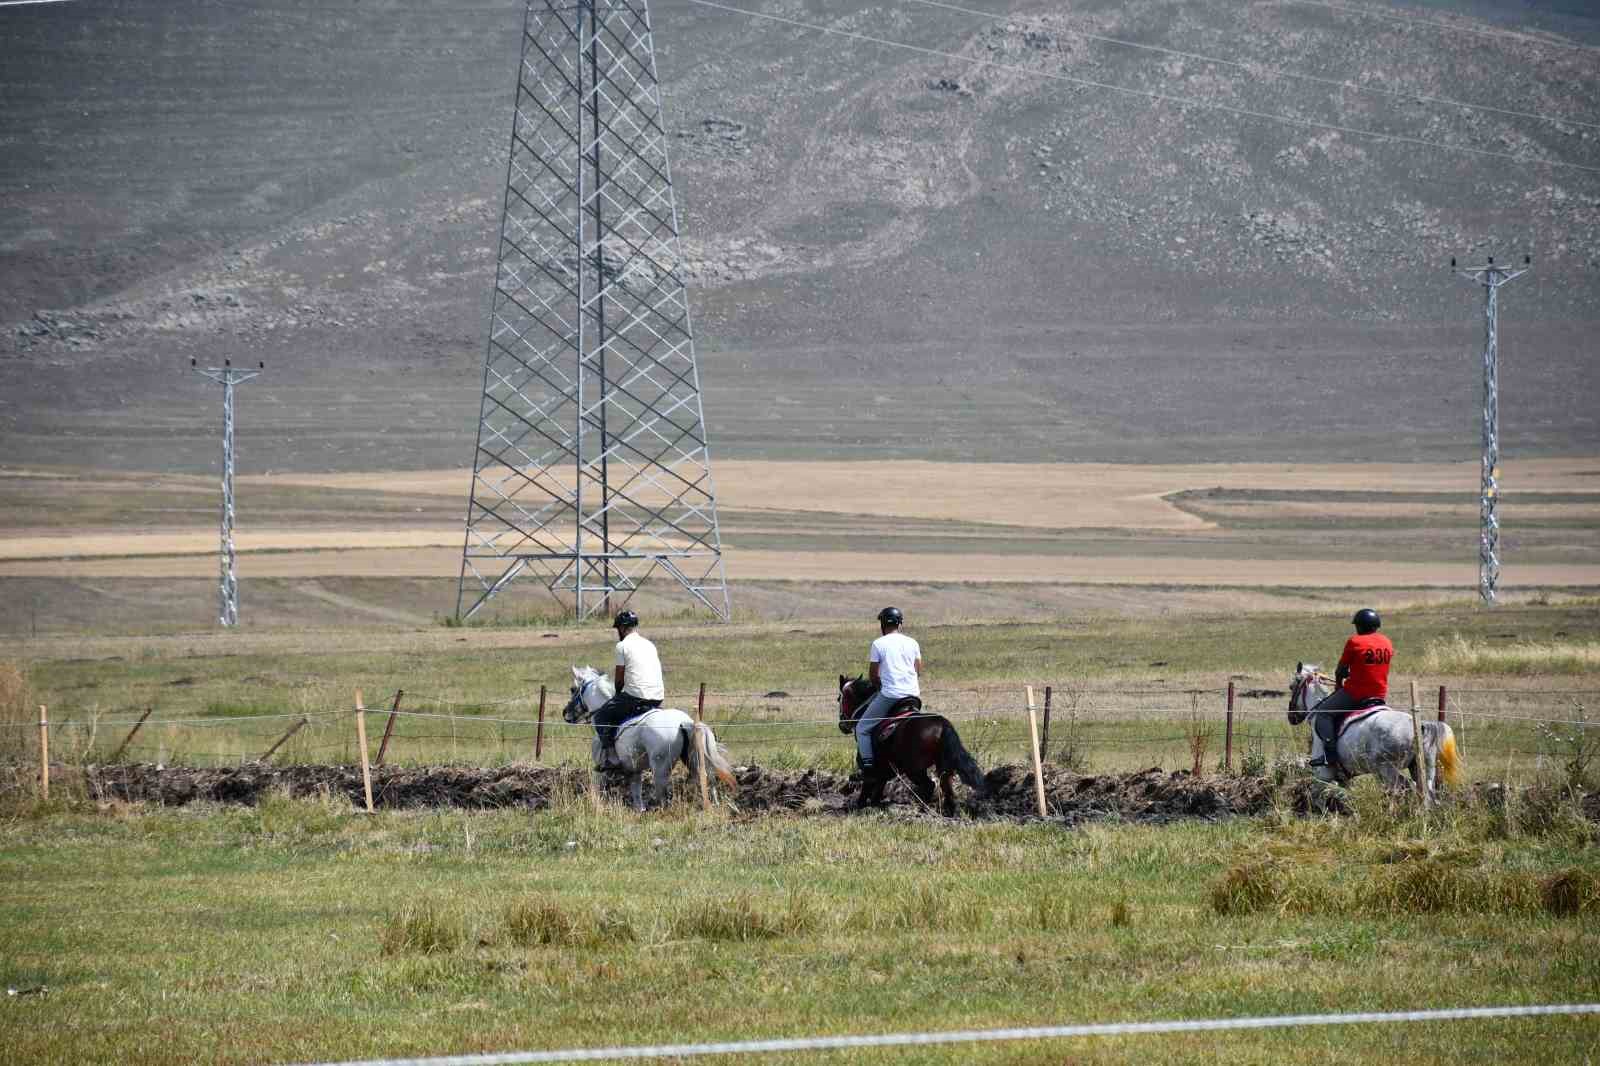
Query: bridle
x,y
848,715
577,710
1297,694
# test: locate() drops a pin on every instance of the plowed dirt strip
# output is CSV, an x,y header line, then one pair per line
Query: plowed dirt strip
x,y
1148,796
1043,495
966,567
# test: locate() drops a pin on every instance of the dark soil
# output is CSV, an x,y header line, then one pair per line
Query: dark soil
x,y
1151,796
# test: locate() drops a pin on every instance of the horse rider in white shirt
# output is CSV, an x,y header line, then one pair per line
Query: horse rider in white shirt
x,y
895,667
638,683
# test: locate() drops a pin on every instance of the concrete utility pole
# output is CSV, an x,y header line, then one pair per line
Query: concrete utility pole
x,y
1491,277
226,376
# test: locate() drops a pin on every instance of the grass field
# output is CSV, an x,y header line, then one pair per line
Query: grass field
x,y
298,929
1127,692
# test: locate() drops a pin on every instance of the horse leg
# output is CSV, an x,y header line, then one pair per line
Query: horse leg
x,y
871,793
1393,781
1430,767
1419,779
661,765
947,792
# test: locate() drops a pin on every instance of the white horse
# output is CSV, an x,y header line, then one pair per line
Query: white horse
x,y
1379,742
660,737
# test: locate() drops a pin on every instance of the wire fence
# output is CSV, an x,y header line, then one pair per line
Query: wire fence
x,y
1238,725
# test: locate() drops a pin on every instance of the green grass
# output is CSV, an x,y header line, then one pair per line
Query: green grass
x,y
1122,687
299,930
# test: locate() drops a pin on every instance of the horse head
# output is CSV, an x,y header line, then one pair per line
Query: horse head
x,y
590,691
1305,691
852,699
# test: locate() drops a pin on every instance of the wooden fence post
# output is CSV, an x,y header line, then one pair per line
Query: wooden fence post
x,y
361,742
44,751
129,738
538,732
1038,765
388,729
1419,764
700,742
1227,735
700,766
1443,697
1044,734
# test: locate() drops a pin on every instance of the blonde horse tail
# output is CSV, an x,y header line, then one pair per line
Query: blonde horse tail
x,y
1449,760
716,756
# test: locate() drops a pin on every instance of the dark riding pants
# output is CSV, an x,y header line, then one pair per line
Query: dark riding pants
x,y
1326,724
617,710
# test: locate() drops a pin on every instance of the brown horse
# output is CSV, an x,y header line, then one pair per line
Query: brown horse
x,y
918,742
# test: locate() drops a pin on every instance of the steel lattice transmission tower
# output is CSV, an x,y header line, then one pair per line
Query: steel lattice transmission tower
x,y
1491,277
227,376
592,469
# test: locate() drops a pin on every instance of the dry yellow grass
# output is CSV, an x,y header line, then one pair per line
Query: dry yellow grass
x,y
1459,655
17,712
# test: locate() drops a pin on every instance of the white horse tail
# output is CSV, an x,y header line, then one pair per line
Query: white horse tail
x,y
716,755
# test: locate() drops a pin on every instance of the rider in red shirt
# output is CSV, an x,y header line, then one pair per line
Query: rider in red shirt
x,y
1363,677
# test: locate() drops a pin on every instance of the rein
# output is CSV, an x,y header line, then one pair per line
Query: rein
x,y
1298,694
848,717
577,699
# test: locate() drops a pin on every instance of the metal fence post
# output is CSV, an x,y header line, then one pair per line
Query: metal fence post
x,y
538,732
1227,737
388,729
1044,734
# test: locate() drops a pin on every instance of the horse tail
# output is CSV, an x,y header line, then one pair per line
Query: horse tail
x,y
953,755
1449,760
716,755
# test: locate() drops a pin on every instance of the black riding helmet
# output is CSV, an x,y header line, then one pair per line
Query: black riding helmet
x,y
891,616
1366,621
625,620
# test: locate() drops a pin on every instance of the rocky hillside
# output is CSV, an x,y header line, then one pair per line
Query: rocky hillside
x,y
1027,229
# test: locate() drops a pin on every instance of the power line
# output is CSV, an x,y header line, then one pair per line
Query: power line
x,y
1443,27
1181,101
1259,68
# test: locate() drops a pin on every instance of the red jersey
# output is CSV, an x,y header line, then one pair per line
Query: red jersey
x,y
1367,656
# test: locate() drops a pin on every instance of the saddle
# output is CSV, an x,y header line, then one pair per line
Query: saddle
x,y
1330,727
904,708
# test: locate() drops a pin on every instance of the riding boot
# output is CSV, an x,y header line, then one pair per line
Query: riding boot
x,y
608,757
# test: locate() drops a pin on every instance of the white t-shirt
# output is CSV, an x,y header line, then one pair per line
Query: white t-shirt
x,y
896,655
642,676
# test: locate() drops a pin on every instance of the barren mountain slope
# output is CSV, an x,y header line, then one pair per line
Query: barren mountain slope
x,y
892,253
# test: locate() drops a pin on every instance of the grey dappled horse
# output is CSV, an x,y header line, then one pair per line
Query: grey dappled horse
x,y
660,737
1380,743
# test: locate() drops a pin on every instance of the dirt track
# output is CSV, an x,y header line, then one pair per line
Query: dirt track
x,y
1150,796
